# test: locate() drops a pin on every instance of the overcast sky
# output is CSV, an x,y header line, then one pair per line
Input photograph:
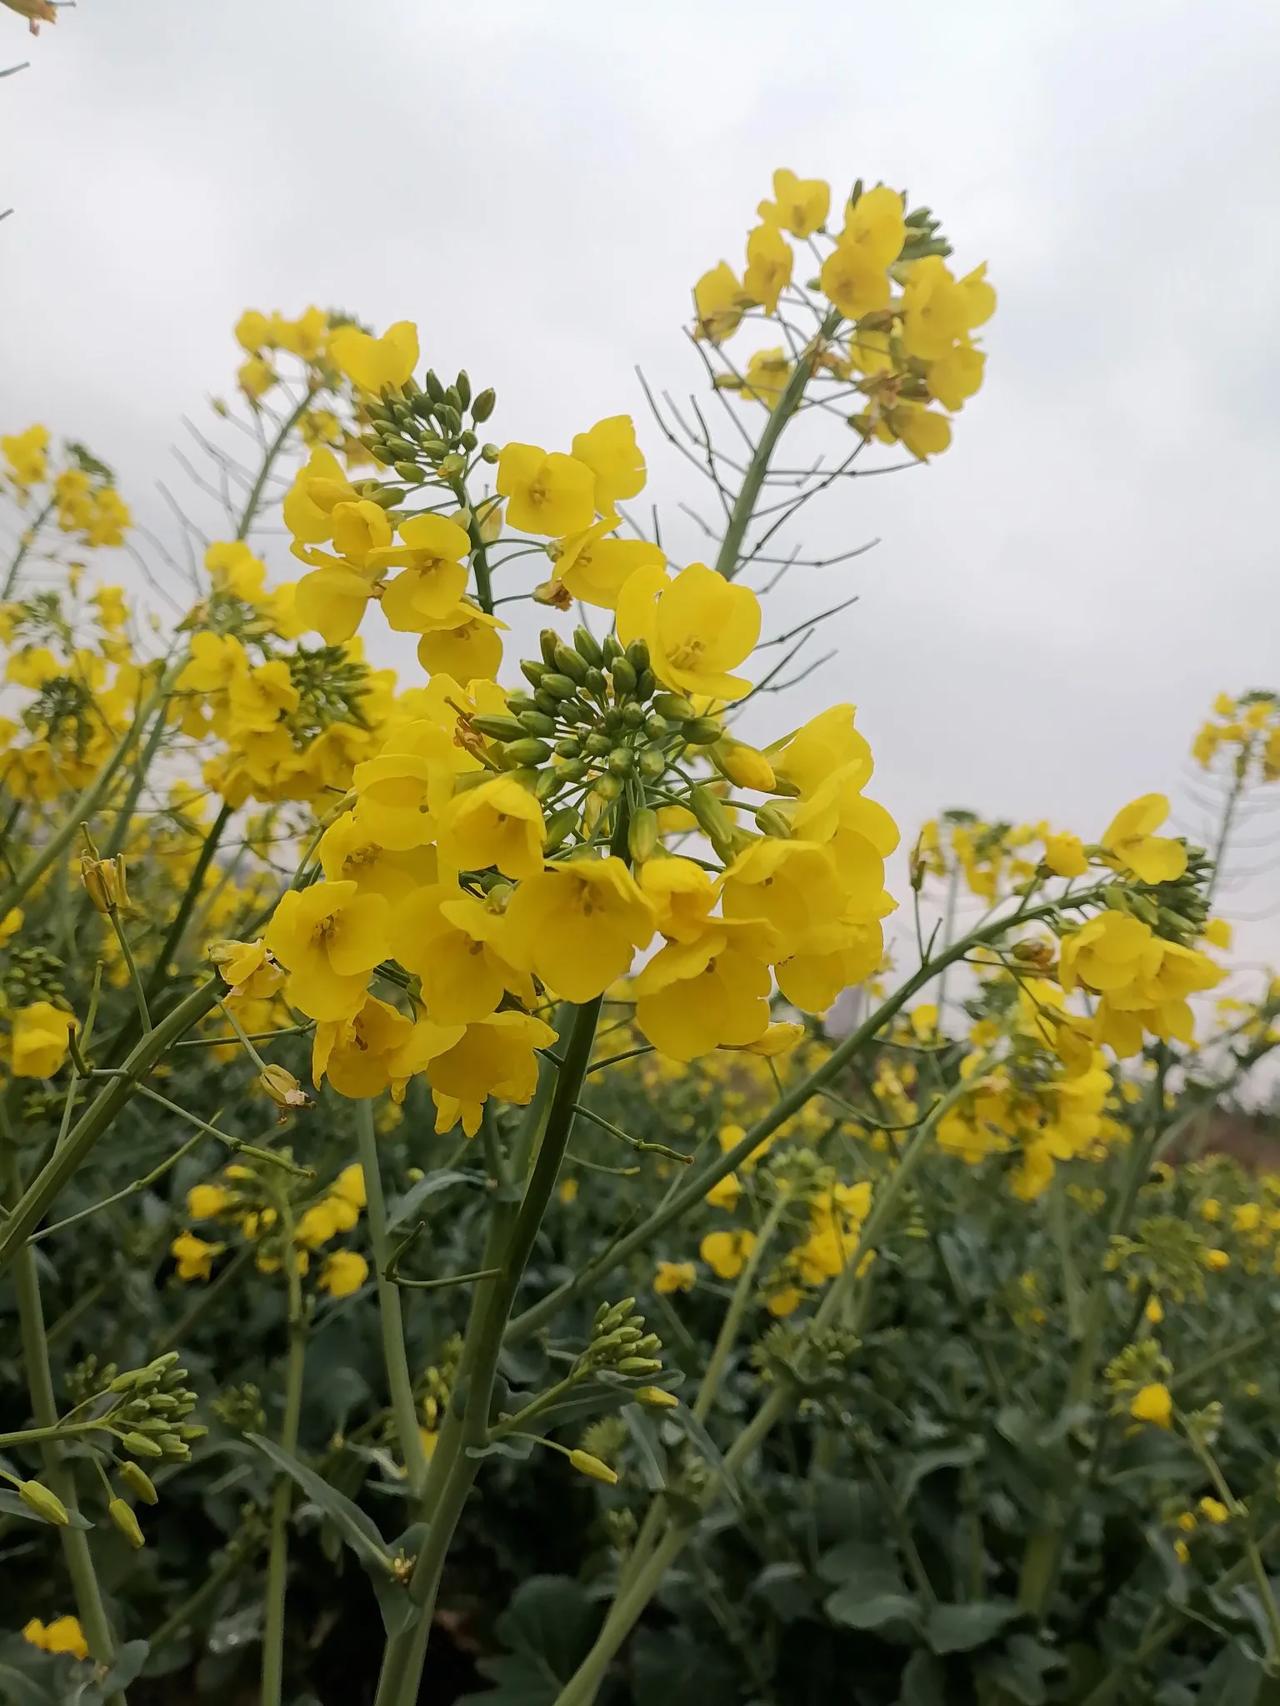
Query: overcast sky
x,y
1053,604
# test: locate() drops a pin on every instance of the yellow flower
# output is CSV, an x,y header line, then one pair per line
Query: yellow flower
x,y
39,1043
725,1253
1064,854
1129,839
332,601
610,451
329,937
207,1202
356,1054
456,946
343,1273
319,486
577,925
671,1277
375,364
1153,1403
799,205
769,264
855,274
681,894
255,377
1216,1261
26,454
63,1635
193,1256
725,1193
698,995
495,1057
595,568
939,310
698,627
348,852
546,493
957,376
463,644
434,576
719,301
499,823
1217,932
768,373
234,569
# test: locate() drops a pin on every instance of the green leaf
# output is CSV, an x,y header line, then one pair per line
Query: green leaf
x,y
961,1628
356,1527
925,1463
128,1666
20,1690
672,1669
867,1604
923,1681
1021,1668
401,1209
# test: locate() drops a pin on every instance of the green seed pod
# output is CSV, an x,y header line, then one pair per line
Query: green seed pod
x,y
622,761
482,408
588,647
549,641
651,763
498,727
559,686
122,1516
139,1483
624,677
532,672
642,834
638,655
46,1504
462,386
529,751
702,731
674,706
568,747
408,471
569,663
537,723
597,745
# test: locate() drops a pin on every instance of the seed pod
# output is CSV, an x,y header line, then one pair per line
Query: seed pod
x,y
46,1504
568,662
642,834
482,408
559,686
588,647
122,1516
139,1483
674,706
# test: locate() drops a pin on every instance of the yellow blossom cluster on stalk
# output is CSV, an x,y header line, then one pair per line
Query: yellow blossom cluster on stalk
x,y
245,1200
897,324
1244,731
81,494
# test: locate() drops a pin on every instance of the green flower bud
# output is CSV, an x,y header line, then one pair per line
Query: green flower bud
x,y
638,655
529,751
646,682
462,387
611,648
482,408
489,453
46,1505
656,727
773,822
122,1516
573,771
468,440
409,471
548,704
702,731
537,723
520,701
607,787
657,1399
642,834
622,761
651,763
569,747
560,825
559,686
674,706
549,642
639,1365
532,671
597,745
547,784
595,682
712,818
624,677
632,716
569,663
139,1483
138,1445
387,497
435,390
588,647
498,727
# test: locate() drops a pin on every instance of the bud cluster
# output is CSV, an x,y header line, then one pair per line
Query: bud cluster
x,y
147,1410
1178,910
814,1360
424,433
620,1344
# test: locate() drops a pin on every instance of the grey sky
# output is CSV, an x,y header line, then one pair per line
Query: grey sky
x,y
1053,604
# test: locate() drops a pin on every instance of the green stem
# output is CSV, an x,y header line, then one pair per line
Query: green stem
x,y
1224,831
728,1335
181,918
728,561
131,966
390,1315
82,809
35,1355
24,545
282,1498
695,1187
96,1118
254,499
211,1293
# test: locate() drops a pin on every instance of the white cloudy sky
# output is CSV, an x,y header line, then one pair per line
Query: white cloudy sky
x,y
1052,604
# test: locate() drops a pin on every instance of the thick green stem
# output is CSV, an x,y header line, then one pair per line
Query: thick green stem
x,y
695,1187
254,499
729,560
35,1355
399,1379
96,1118
282,1496
1225,828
